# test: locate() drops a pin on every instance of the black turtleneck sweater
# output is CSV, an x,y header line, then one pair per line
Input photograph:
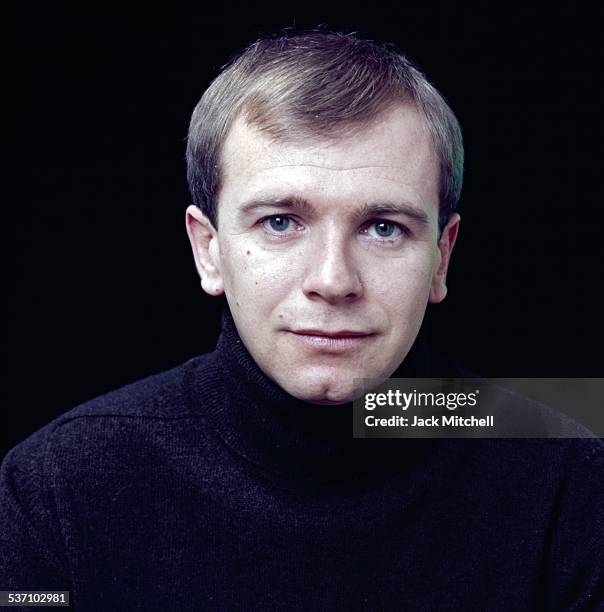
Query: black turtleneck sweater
x,y
207,487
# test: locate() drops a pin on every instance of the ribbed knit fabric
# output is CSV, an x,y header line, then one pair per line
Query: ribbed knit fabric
x,y
207,487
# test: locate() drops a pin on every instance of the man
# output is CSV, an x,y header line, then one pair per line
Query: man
x,y
325,172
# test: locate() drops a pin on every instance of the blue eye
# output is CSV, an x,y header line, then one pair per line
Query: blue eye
x,y
384,229
280,227
279,224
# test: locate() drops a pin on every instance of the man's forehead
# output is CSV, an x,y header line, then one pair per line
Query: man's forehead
x,y
396,138
391,158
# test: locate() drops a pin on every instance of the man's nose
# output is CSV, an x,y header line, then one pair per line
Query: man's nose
x,y
331,272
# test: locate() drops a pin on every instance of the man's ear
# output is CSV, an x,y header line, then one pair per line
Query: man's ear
x,y
438,290
204,242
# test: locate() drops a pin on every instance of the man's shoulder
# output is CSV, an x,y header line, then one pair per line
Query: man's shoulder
x,y
161,395
164,396
83,453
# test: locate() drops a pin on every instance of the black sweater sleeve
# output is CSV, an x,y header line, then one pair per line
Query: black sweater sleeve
x,y
575,559
31,545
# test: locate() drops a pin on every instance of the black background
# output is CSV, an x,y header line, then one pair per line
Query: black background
x,y
100,283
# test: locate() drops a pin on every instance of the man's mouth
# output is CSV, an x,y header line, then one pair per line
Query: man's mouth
x,y
332,340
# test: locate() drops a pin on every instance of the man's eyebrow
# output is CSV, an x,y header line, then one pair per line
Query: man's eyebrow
x,y
293,202
365,211
404,208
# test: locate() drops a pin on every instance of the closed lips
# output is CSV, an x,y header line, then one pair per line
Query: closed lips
x,y
338,334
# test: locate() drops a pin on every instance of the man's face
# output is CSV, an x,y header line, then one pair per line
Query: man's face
x,y
327,251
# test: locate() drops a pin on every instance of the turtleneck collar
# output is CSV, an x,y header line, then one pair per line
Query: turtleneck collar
x,y
260,422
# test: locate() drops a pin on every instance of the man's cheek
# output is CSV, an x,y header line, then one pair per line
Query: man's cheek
x,y
276,270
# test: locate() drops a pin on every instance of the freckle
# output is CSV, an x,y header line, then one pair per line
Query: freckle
x,y
256,283
280,316
248,253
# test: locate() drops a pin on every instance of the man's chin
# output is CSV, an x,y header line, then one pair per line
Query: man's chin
x,y
324,392
325,386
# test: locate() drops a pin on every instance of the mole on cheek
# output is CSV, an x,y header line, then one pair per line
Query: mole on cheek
x,y
247,253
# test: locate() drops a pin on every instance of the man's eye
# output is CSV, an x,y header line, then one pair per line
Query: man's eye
x,y
278,224
384,229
